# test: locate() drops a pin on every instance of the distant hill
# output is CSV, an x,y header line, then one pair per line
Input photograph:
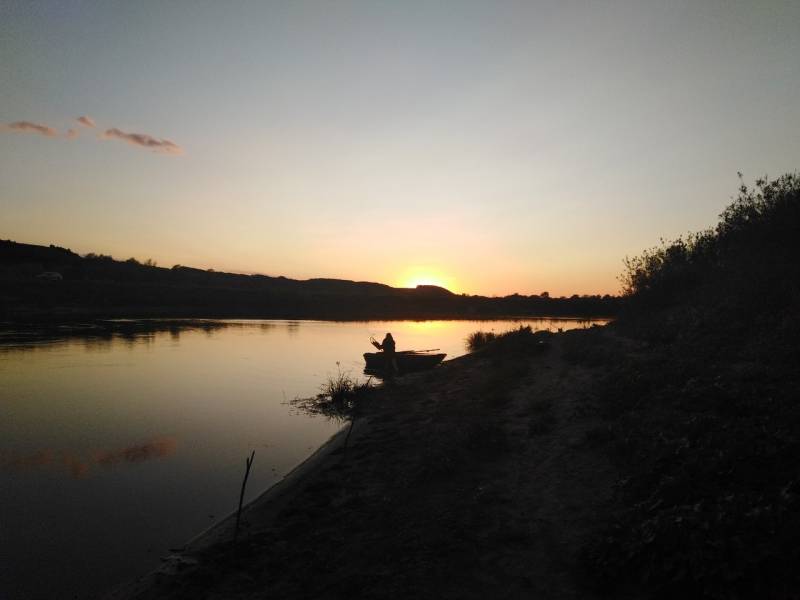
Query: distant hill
x,y
27,260
98,285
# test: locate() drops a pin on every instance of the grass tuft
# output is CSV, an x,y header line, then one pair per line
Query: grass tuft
x,y
339,397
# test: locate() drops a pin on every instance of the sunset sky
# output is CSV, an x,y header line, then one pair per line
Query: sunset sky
x,y
491,147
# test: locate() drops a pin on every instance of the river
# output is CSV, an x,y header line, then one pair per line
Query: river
x,y
116,447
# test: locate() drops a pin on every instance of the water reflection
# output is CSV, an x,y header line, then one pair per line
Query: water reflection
x,y
98,335
95,420
158,448
79,465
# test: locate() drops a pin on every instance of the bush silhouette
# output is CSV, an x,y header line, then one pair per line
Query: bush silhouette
x,y
752,252
704,421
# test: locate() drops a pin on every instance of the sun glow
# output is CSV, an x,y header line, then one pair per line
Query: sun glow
x,y
425,275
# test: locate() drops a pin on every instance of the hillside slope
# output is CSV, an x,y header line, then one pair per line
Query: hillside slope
x,y
99,286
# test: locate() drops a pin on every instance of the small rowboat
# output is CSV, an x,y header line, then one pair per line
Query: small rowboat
x,y
407,361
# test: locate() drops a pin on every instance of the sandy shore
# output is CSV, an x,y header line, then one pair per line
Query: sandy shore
x,y
475,480
260,511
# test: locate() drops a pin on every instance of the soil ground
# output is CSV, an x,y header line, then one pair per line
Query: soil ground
x,y
476,480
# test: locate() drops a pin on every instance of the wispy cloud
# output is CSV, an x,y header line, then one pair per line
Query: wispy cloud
x,y
143,140
30,127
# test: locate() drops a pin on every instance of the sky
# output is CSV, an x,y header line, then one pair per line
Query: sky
x,y
490,147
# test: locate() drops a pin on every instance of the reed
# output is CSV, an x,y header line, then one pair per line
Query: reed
x,y
338,396
248,463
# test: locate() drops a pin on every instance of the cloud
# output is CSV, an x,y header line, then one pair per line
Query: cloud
x,y
29,127
143,140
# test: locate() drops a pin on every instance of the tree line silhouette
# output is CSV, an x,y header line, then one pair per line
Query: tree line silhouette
x,y
100,286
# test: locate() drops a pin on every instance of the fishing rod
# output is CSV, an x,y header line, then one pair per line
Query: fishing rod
x,y
375,343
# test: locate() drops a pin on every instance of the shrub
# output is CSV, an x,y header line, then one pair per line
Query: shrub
x,y
478,339
522,340
339,396
747,261
341,388
703,421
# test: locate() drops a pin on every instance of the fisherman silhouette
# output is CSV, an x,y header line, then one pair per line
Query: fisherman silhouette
x,y
388,348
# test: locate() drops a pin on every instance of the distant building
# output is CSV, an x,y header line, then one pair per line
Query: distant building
x,y
50,276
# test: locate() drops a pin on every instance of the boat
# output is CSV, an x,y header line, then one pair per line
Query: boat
x,y
407,361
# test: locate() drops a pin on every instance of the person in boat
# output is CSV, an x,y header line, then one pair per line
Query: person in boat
x,y
387,346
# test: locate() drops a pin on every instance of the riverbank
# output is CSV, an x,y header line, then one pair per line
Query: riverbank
x,y
478,479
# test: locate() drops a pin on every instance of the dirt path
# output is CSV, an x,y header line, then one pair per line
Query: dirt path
x,y
476,480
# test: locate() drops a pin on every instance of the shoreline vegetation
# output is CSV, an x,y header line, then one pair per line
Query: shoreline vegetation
x,y
654,457
54,284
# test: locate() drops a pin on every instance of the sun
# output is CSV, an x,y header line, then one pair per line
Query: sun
x,y
429,280
425,275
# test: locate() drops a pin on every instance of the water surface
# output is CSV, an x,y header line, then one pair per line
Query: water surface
x,y
116,447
